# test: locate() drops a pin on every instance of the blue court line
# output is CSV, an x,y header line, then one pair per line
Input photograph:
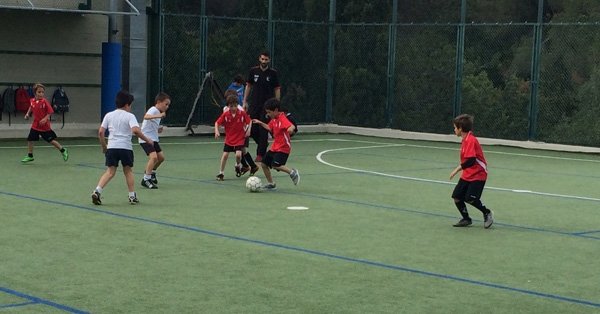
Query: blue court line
x,y
312,252
38,300
581,234
17,304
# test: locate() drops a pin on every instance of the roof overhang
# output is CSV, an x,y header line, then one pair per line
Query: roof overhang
x,y
72,6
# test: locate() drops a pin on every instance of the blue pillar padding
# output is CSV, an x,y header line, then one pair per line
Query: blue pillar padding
x,y
111,76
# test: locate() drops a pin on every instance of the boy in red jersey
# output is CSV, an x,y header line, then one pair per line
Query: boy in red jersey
x,y
237,125
277,156
474,174
41,110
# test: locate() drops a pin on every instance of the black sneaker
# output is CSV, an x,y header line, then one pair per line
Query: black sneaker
x,y
133,200
238,171
270,187
220,177
488,219
254,170
153,178
463,223
149,184
96,198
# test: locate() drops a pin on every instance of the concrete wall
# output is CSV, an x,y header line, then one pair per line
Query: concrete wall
x,y
54,48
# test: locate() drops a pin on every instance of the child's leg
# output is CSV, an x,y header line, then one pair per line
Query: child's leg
x,y
152,161
128,172
462,209
267,172
243,157
223,161
30,147
56,144
284,169
238,157
106,177
160,158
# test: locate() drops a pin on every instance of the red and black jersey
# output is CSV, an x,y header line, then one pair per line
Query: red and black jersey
x,y
263,85
40,109
471,148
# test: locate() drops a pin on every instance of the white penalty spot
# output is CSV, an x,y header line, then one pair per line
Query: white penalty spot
x,y
297,208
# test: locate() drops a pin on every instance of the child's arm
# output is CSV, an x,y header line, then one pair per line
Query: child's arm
x,y
45,119
217,134
264,125
138,132
101,132
27,113
154,116
249,125
455,171
291,129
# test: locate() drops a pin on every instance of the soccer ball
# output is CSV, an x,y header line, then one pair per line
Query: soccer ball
x,y
253,184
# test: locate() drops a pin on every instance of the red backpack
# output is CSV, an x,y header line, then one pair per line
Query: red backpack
x,y
22,99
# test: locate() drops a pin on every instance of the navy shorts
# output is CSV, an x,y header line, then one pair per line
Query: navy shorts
x,y
468,190
151,148
275,159
230,149
48,136
114,155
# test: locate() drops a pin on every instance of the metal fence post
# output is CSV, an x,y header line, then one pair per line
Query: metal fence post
x,y
392,64
460,55
330,59
535,72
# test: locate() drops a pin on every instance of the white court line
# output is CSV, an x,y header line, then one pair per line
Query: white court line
x,y
320,159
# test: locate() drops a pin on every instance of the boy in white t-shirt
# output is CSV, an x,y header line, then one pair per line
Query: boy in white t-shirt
x,y
151,128
120,124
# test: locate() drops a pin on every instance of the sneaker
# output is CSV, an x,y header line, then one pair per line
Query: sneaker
x,y
488,219
270,187
258,158
463,223
238,171
149,184
254,170
65,154
295,176
245,169
153,178
96,198
133,200
27,159
220,177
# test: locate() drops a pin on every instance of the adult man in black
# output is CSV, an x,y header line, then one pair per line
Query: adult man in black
x,y
261,85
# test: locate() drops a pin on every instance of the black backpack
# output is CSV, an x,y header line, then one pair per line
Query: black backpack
x,y
8,100
60,103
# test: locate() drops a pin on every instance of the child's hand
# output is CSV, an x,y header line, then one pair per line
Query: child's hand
x,y
26,117
43,121
160,129
217,134
163,114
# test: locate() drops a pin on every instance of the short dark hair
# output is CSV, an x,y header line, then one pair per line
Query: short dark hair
x,y
161,97
265,53
229,92
240,79
123,98
464,122
273,104
232,99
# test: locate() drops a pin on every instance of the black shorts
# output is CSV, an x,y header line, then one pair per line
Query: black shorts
x,y
48,136
275,159
230,149
468,190
114,155
151,148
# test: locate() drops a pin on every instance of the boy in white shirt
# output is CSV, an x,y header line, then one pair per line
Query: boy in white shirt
x,y
120,124
151,128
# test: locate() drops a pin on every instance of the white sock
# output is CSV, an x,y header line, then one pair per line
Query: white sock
x,y
147,177
99,189
132,194
153,171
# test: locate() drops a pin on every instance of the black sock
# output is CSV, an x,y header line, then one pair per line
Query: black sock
x,y
479,205
30,155
62,150
462,208
249,159
244,162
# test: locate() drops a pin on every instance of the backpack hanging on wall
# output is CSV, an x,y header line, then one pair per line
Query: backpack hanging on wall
x,y
60,103
22,99
8,98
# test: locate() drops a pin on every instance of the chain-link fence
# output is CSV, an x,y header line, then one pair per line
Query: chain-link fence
x,y
408,76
